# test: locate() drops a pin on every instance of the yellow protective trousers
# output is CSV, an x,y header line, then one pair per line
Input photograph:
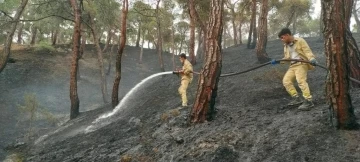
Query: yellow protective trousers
x,y
182,90
298,72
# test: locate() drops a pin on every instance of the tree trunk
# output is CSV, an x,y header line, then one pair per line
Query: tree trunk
x,y
211,70
293,32
138,36
19,34
142,49
233,13
173,47
240,32
100,59
74,112
33,35
192,35
252,23
356,17
354,57
110,58
336,27
115,91
291,17
108,39
4,56
159,40
199,51
55,37
262,35
253,45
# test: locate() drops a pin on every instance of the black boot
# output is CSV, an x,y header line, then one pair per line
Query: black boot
x,y
306,106
295,101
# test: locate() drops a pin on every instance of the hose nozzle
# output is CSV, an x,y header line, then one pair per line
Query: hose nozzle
x,y
175,72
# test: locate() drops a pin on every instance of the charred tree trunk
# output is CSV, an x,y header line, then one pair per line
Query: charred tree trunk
x,y
262,35
192,35
206,91
336,19
33,35
100,59
138,36
4,56
19,33
252,24
115,91
159,40
74,63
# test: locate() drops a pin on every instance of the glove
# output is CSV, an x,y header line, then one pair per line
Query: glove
x,y
313,62
274,62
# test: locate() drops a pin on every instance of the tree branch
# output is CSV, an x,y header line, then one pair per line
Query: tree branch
x,y
6,14
46,18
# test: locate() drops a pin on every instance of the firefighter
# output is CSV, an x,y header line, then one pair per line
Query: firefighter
x,y
297,48
186,74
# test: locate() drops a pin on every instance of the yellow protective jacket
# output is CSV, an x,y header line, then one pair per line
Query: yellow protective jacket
x,y
188,71
302,48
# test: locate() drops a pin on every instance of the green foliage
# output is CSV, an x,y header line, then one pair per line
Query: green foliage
x,y
285,11
44,46
31,111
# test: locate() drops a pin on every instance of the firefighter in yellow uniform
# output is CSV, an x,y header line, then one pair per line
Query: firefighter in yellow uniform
x,y
297,48
186,74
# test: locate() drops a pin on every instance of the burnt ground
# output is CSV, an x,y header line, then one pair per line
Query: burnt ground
x,y
46,75
250,125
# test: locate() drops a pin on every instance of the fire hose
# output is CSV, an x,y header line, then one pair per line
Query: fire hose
x,y
288,60
267,63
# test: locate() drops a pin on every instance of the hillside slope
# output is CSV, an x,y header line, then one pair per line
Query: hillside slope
x,y
250,125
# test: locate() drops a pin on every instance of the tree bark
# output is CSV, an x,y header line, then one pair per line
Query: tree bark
x,y
262,35
336,19
33,35
206,91
74,112
100,59
4,56
159,40
192,33
19,34
122,41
